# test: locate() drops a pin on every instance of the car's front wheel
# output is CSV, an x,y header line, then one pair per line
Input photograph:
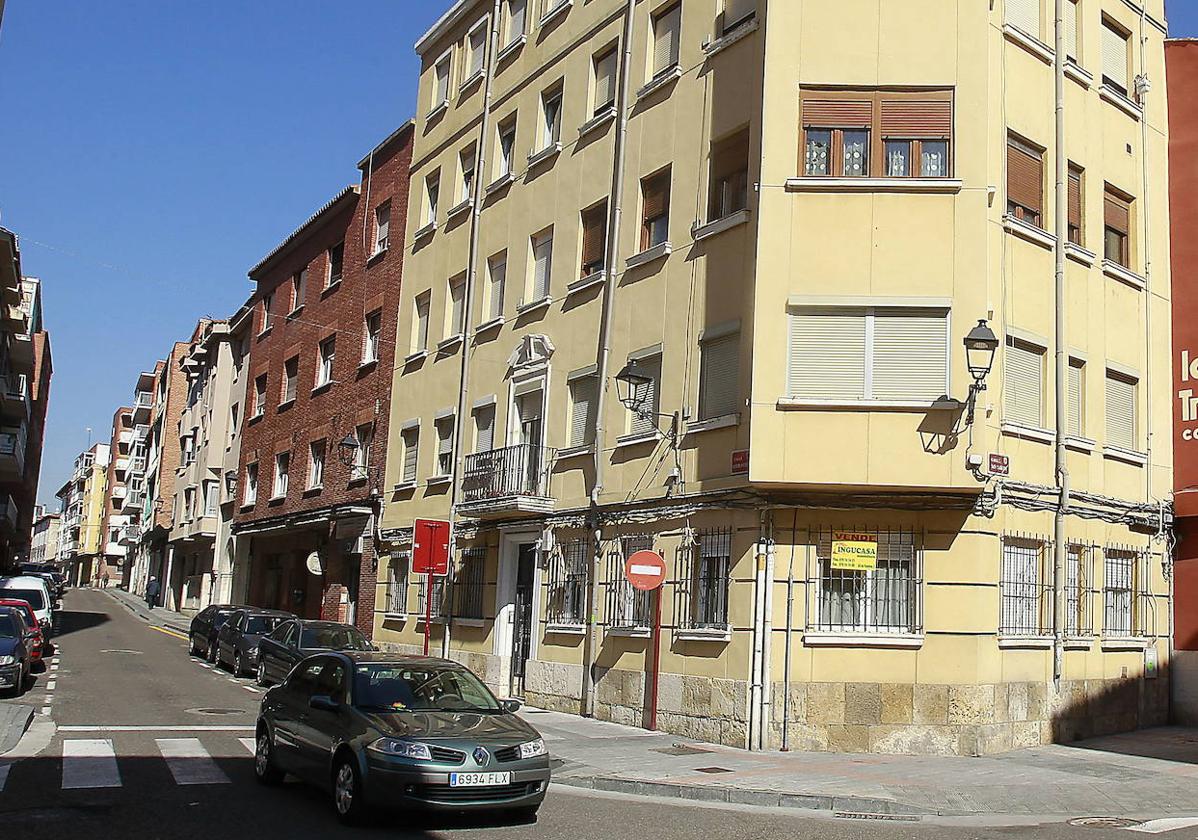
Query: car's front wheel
x,y
261,679
348,796
265,769
211,652
238,665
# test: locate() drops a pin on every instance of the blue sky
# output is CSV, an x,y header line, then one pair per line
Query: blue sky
x,y
153,151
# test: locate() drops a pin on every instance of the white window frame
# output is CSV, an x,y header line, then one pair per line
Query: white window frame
x,y
260,394
432,197
444,467
496,285
410,463
299,289
372,329
382,228
455,309
587,377
326,356
282,475
442,79
317,451
543,239
551,129
290,381
364,435
421,306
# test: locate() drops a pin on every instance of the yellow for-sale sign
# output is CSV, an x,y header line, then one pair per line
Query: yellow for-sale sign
x,y
854,552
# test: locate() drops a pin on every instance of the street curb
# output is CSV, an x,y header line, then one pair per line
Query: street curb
x,y
149,618
14,722
761,798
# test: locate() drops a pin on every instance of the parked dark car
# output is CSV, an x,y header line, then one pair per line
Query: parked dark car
x,y
403,731
206,624
294,640
37,641
237,640
16,640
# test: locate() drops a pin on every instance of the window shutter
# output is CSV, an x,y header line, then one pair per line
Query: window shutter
x,y
478,43
457,292
656,192
1023,390
1075,197
838,113
442,71
498,276
910,355
1071,29
528,406
582,416
1025,177
1114,56
515,19
1073,425
736,11
542,251
1116,212
445,436
605,79
827,354
909,119
718,368
651,368
1025,14
594,235
411,448
1120,411
422,322
666,39
484,429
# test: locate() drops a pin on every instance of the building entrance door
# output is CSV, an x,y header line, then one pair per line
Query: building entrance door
x,y
522,618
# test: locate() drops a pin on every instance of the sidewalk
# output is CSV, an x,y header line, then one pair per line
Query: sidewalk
x,y
14,720
1140,775
158,615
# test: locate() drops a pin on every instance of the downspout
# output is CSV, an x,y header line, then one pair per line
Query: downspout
x,y
758,645
767,631
790,601
610,258
459,422
1061,224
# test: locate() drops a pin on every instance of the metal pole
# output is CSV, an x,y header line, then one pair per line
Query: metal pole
x,y
656,674
428,609
1059,548
790,600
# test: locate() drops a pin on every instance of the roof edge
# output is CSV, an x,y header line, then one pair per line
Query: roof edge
x,y
410,125
283,246
455,13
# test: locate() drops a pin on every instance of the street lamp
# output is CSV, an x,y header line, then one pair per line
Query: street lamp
x,y
231,482
632,387
980,346
347,450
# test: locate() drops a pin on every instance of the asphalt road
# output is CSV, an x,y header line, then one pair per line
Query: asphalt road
x,y
150,743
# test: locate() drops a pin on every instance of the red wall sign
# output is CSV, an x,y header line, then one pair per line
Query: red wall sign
x,y
1000,464
740,462
645,570
430,547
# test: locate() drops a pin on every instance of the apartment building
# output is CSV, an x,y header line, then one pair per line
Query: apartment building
x,y
114,519
44,542
82,496
133,504
698,278
316,400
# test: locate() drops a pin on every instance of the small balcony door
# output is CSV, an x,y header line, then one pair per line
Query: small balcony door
x,y
529,410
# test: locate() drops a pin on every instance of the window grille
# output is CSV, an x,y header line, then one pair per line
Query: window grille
x,y
1079,582
468,588
627,608
884,600
568,583
397,583
439,593
705,564
1026,590
1122,585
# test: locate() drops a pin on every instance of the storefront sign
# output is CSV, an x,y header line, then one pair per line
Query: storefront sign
x,y
853,552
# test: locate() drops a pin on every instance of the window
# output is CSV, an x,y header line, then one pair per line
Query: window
x,y
854,354
915,131
507,148
645,421
737,12
1122,583
260,396
604,68
542,265
267,321
1121,410
551,116
1076,407
1079,572
729,176
514,12
1071,43
484,428
477,44
719,364
457,304
234,419
397,583
360,469
189,503
1023,386
1076,232
627,608
290,376
420,325
708,568
594,239
282,467
885,599
467,165
1117,227
444,445
382,227
336,264
371,331
1026,593
411,452
299,287
441,81
1115,60
316,464
324,364
655,199
211,498
496,277
583,403
469,585
568,583
1025,16
432,193
1025,181
666,26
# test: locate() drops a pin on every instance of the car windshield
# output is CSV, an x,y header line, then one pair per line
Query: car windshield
x,y
399,688
334,638
32,596
8,626
25,611
261,624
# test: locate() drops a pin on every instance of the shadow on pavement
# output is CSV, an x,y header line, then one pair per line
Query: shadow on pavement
x,y
73,621
1166,743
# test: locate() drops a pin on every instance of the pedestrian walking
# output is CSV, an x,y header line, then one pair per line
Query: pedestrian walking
x,y
152,590
104,578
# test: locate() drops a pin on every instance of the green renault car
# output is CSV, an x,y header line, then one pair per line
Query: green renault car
x,y
399,731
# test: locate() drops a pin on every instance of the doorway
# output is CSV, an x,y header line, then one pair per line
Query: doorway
x,y
516,610
526,567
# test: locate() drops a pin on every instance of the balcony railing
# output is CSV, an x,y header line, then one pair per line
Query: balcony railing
x,y
12,445
520,470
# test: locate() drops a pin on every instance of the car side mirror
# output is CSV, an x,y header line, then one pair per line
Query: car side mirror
x,y
510,706
323,703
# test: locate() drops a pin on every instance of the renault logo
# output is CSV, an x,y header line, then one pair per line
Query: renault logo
x,y
481,756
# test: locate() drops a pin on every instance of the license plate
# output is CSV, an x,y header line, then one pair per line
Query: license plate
x,y
479,779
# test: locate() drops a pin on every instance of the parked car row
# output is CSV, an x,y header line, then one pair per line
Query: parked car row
x,y
27,606
54,578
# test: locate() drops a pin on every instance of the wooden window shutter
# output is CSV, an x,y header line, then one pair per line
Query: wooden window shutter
x,y
594,235
1116,212
1114,55
1073,424
910,119
910,354
827,354
484,429
605,79
1023,390
656,192
666,39
1025,176
838,113
730,155
1024,14
1075,197
718,368
1120,411
582,410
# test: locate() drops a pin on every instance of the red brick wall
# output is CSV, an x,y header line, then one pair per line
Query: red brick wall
x,y
169,455
121,421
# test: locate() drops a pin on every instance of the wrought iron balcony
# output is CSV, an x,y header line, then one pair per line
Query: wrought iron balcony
x,y
511,480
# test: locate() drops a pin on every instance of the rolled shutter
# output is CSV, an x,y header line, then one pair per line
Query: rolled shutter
x,y
484,429
1116,212
422,322
910,355
605,80
457,293
528,406
582,411
515,19
442,92
838,113
1023,390
1073,425
478,49
736,11
1075,197
1025,14
1025,177
411,451
909,119
542,255
1114,56
666,39
651,367
730,155
656,192
1120,411
498,278
718,386
445,437
827,354
594,235
1071,29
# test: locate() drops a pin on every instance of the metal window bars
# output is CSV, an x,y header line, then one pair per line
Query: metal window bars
x,y
397,584
887,599
469,583
627,608
1123,607
1024,583
439,592
1079,583
567,570
701,593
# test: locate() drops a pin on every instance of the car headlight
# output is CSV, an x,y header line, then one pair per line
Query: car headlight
x,y
403,749
8,660
532,749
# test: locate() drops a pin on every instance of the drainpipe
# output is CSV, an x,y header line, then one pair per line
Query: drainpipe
x,y
757,668
1059,548
476,189
767,632
610,257
1142,87
790,602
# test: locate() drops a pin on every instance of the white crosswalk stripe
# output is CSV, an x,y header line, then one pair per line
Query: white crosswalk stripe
x,y
1163,826
89,763
248,743
189,762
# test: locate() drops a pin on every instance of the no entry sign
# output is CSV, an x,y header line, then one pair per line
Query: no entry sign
x,y
645,570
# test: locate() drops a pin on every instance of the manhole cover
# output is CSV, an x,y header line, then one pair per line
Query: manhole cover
x,y
1103,822
216,711
712,770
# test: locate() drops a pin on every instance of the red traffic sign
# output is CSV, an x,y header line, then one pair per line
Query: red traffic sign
x,y
645,570
1000,464
430,547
